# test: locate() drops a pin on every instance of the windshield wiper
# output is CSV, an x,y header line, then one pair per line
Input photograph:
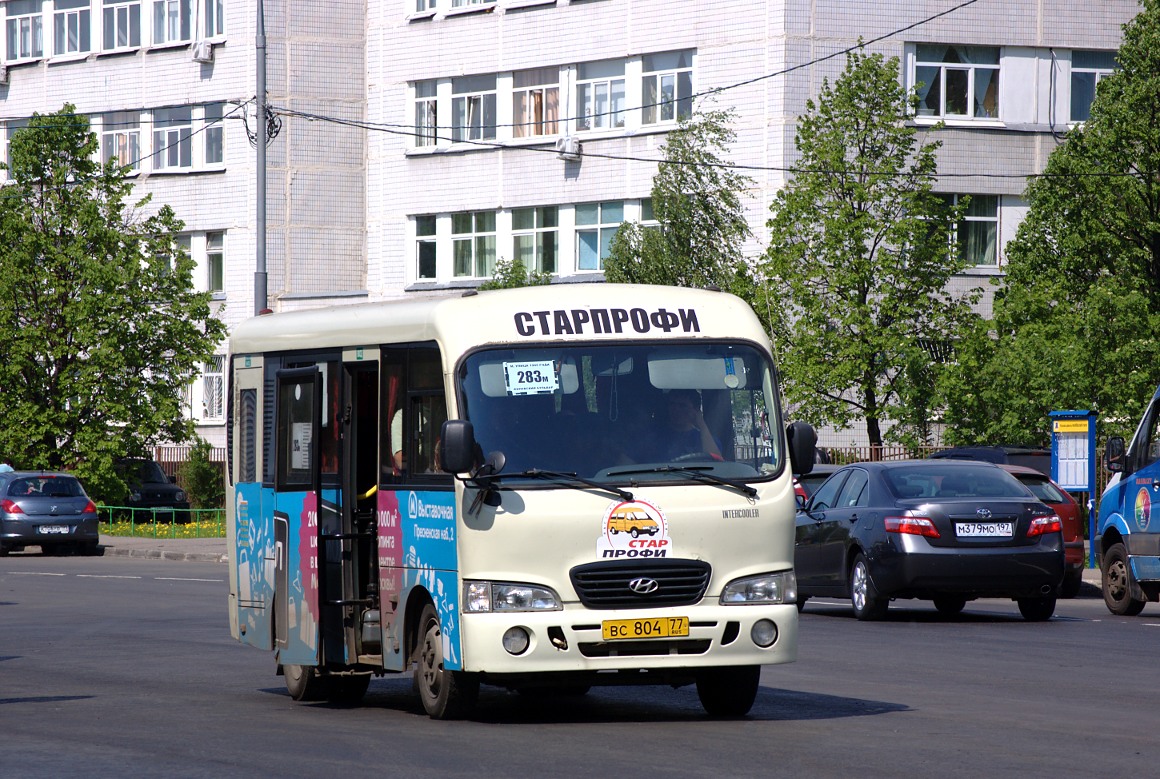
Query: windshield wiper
x,y
697,472
537,473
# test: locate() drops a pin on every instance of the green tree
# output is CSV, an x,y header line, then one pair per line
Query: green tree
x,y
512,273
696,198
1075,326
202,478
101,326
854,283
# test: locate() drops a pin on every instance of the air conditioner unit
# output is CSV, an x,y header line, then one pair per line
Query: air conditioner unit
x,y
3,75
202,52
568,149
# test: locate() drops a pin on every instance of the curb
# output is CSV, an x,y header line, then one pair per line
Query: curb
x,y
164,554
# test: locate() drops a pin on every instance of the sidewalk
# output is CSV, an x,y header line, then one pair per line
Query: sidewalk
x,y
210,550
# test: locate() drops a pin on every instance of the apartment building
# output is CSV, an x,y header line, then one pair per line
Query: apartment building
x,y
418,142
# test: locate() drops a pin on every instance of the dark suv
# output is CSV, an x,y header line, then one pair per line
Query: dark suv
x,y
150,489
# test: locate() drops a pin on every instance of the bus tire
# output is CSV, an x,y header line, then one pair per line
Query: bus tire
x,y
305,684
444,694
728,691
1116,583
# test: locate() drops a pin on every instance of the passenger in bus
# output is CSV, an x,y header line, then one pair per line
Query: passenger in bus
x,y
685,431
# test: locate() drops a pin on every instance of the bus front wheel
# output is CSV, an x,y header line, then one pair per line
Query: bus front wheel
x,y
445,694
304,683
728,691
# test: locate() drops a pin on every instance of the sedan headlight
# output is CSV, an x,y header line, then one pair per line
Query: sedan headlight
x,y
766,588
180,496
480,596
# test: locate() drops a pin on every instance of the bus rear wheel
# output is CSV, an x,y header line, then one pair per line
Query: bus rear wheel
x,y
305,684
445,694
728,691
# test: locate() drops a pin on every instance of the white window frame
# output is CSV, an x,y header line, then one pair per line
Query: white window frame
x,y
478,246
1096,72
121,135
536,103
172,140
213,126
541,235
24,33
603,229
120,20
936,77
213,406
172,22
970,221
75,20
215,261
426,240
473,108
667,88
601,96
425,99
215,18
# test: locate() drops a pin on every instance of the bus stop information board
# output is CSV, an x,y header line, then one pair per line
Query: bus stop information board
x,y
1073,454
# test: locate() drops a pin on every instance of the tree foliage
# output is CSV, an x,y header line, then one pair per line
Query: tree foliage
x,y
1076,325
854,283
696,198
512,273
102,329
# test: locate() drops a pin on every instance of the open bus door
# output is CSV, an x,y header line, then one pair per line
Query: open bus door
x,y
297,501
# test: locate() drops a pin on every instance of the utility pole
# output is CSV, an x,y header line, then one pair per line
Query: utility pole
x,y
260,199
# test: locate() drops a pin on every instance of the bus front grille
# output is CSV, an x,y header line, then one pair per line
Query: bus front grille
x,y
641,584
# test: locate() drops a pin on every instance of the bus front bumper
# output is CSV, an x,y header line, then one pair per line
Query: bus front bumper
x,y
575,640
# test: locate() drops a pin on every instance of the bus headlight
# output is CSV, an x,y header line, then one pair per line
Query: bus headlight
x,y
481,596
766,588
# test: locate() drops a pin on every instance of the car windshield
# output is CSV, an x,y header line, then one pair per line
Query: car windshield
x,y
618,414
144,472
46,487
961,481
1042,489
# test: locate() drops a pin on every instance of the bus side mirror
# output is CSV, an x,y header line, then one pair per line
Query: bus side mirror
x,y
1114,455
457,447
802,440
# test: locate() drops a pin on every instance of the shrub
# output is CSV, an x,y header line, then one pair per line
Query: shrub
x,y
203,479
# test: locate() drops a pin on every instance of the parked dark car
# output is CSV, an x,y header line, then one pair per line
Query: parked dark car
x,y
1037,458
151,490
807,485
949,531
49,510
1067,509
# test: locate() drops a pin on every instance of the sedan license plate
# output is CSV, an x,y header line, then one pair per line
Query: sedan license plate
x,y
655,627
53,529
984,529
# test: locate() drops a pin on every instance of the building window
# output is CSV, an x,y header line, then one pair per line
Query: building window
x,y
25,26
600,95
473,108
596,223
214,134
215,18
422,6
1087,68
473,243
212,389
426,114
215,264
957,82
121,24
121,139
536,102
71,27
667,87
465,3
171,20
977,235
426,247
535,238
172,138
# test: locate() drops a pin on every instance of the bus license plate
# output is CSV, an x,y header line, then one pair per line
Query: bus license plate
x,y
655,627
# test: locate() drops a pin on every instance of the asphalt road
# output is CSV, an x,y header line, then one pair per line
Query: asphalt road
x,y
122,666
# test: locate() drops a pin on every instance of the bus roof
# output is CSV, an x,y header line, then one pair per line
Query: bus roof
x,y
558,312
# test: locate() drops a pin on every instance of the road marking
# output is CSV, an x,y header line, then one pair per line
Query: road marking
x,y
176,579
103,576
35,573
1151,625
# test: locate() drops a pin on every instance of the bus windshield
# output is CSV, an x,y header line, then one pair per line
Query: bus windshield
x,y
625,413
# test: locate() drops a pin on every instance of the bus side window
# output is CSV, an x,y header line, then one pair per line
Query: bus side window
x,y
413,411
